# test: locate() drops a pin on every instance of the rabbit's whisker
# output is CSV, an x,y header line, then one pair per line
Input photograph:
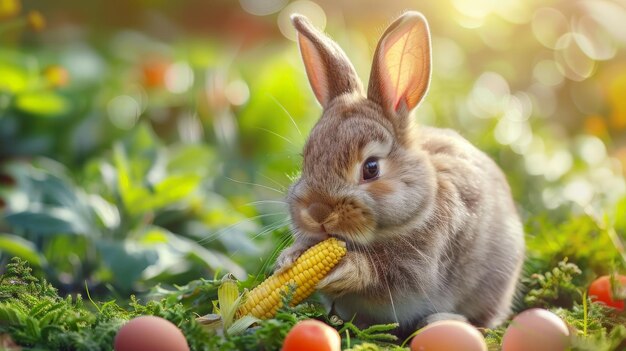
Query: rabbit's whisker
x,y
255,184
213,236
280,186
272,227
282,243
287,113
278,135
266,202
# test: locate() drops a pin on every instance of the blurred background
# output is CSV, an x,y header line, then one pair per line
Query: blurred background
x,y
151,141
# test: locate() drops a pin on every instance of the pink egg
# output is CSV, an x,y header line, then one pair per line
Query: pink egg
x,y
150,333
538,330
448,336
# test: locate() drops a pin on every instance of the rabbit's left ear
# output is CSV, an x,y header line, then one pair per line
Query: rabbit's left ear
x,y
401,70
330,72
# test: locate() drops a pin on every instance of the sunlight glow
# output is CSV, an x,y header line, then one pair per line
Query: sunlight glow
x,y
311,10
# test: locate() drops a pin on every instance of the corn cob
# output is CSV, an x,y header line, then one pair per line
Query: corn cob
x,y
308,269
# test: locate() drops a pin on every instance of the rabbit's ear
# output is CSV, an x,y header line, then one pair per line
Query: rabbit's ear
x,y
401,69
329,70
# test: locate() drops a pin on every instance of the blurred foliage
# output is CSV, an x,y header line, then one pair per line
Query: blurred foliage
x,y
153,146
117,226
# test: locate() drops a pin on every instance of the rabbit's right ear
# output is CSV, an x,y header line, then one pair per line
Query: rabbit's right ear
x,y
401,70
330,72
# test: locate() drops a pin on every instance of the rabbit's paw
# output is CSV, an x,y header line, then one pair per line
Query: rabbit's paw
x,y
289,255
435,317
351,274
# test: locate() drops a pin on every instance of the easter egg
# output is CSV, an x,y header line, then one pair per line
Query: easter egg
x,y
312,335
150,333
602,291
448,335
538,330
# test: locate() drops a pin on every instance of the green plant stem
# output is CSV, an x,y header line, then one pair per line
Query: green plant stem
x,y
585,313
410,337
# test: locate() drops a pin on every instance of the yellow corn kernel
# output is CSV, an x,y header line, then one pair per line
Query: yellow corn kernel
x,y
308,269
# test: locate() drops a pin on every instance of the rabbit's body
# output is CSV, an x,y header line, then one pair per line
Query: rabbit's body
x,y
470,269
430,225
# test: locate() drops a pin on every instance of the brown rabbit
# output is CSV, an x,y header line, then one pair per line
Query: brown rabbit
x,y
431,229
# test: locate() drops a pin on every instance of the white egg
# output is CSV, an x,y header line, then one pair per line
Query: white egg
x,y
537,330
447,336
150,333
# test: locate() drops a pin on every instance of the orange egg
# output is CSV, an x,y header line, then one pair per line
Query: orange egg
x,y
538,330
150,333
312,335
447,336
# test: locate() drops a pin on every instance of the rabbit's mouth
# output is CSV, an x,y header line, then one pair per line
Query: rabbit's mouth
x,y
346,220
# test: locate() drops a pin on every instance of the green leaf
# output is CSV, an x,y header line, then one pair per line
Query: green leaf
x,y
11,315
107,213
228,297
49,220
175,188
192,158
56,191
172,189
12,79
18,246
42,103
173,249
32,328
127,260
241,325
142,141
138,197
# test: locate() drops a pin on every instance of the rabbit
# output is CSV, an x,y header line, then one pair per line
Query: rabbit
x,y
429,222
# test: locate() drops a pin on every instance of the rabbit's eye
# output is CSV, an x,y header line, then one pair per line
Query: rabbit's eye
x,y
371,168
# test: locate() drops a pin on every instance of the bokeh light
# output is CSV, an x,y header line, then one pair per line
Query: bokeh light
x,y
123,111
237,92
548,26
311,10
571,60
262,7
179,77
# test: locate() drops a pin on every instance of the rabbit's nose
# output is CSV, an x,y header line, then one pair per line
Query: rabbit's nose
x,y
319,211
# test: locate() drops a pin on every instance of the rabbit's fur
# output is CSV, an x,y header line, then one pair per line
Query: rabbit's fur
x,y
436,235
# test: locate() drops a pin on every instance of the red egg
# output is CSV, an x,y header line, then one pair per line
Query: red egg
x,y
602,291
150,333
312,335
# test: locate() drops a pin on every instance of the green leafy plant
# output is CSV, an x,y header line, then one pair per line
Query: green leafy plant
x,y
553,288
120,223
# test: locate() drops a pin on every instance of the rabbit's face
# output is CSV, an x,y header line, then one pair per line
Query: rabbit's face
x,y
362,175
357,177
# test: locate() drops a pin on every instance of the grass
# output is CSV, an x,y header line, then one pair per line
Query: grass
x,y
35,317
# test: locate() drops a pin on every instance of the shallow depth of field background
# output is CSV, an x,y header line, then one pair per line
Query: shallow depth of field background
x,y
146,142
